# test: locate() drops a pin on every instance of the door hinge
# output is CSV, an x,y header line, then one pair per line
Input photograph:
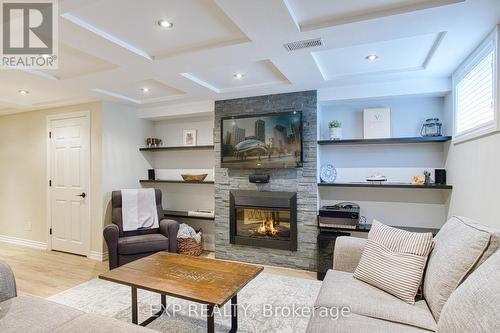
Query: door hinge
x,y
50,183
50,135
50,231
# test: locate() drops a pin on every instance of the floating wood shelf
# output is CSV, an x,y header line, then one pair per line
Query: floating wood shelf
x,y
172,148
180,213
419,139
389,185
175,181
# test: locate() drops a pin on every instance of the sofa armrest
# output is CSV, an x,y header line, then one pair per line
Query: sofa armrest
x,y
111,234
169,229
347,253
7,282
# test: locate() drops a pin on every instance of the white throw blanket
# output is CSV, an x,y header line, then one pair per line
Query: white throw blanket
x,y
186,231
139,209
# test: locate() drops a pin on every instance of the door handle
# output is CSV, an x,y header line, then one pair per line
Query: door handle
x,y
83,195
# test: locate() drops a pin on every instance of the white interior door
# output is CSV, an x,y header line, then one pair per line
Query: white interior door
x,y
69,182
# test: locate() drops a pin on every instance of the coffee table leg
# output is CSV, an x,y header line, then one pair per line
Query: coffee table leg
x,y
134,305
210,319
163,302
234,314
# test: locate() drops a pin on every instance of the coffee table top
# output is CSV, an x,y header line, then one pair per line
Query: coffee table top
x,y
202,280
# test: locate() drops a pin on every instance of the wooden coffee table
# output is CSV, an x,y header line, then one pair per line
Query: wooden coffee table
x,y
207,281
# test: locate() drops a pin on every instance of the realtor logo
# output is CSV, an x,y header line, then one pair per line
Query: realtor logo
x,y
29,34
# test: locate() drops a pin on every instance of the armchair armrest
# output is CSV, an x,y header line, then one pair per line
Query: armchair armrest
x,y
347,253
111,234
7,282
169,229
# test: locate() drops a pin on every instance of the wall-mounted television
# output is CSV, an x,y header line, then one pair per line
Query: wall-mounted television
x,y
266,141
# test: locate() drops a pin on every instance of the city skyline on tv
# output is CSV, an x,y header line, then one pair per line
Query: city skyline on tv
x,y
272,141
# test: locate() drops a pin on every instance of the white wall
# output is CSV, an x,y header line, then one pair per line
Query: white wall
x,y
123,165
171,133
407,115
23,174
398,162
474,170
186,196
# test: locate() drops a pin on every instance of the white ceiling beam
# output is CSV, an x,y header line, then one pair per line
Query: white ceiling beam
x,y
113,39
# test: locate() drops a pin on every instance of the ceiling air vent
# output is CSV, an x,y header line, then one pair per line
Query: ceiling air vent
x,y
303,44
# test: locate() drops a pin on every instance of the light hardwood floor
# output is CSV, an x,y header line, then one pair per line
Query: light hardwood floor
x,y
46,273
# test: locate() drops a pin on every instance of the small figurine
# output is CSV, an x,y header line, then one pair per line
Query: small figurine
x,y
427,175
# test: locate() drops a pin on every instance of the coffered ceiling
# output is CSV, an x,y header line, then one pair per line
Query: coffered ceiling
x,y
391,56
238,77
116,50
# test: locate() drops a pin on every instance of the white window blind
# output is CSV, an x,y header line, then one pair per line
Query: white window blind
x,y
474,96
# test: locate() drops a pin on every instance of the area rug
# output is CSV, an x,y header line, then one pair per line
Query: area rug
x,y
269,303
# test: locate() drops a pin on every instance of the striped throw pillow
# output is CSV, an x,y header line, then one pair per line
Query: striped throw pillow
x,y
394,260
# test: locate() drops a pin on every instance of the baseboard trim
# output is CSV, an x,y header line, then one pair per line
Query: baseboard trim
x,y
23,242
99,256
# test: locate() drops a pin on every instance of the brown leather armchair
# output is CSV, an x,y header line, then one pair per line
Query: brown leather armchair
x,y
127,246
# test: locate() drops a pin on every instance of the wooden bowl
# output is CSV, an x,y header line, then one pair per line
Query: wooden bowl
x,y
194,178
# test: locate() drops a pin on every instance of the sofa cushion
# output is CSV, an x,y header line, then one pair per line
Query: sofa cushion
x,y
347,253
341,289
459,246
473,307
90,323
142,244
7,282
394,260
34,315
355,323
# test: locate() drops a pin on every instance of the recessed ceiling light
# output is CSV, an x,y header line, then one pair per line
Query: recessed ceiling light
x,y
371,57
23,92
145,89
239,75
165,24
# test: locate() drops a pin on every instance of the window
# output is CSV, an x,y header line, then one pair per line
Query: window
x,y
474,89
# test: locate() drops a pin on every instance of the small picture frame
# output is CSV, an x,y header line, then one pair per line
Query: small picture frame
x,y
377,123
189,137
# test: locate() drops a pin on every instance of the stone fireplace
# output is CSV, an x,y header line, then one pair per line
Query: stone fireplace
x,y
263,219
281,235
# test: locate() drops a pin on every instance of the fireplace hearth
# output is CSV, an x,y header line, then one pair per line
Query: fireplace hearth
x,y
264,219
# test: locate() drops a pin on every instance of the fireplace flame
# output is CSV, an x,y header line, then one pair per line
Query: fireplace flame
x,y
267,227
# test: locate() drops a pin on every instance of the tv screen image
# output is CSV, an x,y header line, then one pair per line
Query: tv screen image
x,y
269,141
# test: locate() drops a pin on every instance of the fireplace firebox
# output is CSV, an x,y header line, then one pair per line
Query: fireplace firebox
x,y
263,219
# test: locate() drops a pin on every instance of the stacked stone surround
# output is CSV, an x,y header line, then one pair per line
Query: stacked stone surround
x,y
303,181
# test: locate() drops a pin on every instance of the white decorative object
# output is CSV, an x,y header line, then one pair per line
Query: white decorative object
x,y
328,173
335,133
376,179
377,123
189,136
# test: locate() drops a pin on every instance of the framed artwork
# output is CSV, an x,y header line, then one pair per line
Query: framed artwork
x,y
189,137
377,123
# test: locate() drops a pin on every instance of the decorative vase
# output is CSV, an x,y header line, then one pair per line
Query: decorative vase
x,y
335,133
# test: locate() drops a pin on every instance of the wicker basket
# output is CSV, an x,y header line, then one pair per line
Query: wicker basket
x,y
189,246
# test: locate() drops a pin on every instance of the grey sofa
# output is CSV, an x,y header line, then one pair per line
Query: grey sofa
x,y
461,288
127,246
33,314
